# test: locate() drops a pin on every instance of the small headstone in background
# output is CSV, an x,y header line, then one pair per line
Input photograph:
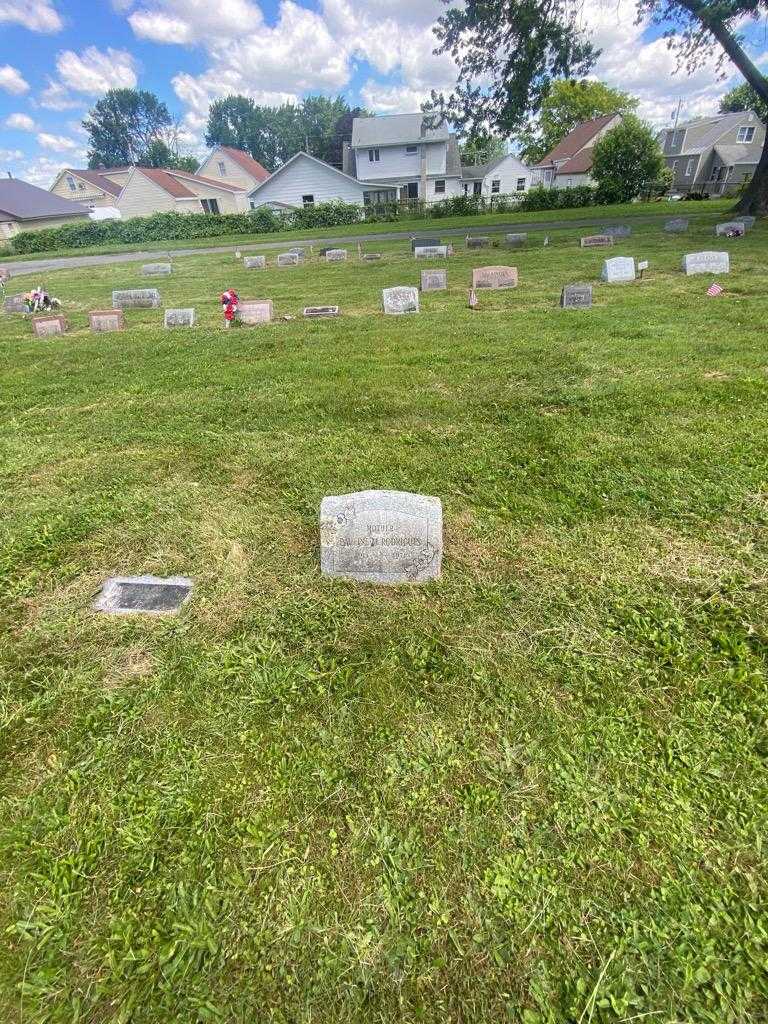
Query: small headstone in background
x,y
434,280
46,326
617,231
430,252
516,239
494,277
677,225
368,256
706,263
479,242
731,228
179,318
596,241
424,243
321,311
336,256
400,300
288,259
472,302
576,296
747,220
15,304
299,251
150,595
136,298
381,537
255,311
619,269
156,269
255,262
103,321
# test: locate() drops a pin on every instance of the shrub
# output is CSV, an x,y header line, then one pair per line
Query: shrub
x,y
571,197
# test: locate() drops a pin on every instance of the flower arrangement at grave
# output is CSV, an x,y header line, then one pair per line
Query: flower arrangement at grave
x,y
39,301
229,302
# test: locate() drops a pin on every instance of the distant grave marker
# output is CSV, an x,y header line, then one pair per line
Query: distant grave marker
x,y
434,280
255,311
617,231
619,270
321,311
381,537
336,256
47,326
400,300
677,225
494,277
104,321
156,269
255,262
576,296
15,304
706,263
430,252
288,259
747,220
731,228
516,239
424,243
369,256
596,241
149,595
478,242
179,318
136,298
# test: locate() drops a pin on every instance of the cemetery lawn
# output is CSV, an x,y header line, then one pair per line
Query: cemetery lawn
x,y
422,226
534,791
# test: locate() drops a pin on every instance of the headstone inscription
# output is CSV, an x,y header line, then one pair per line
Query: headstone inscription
x,y
288,259
179,318
479,242
424,243
15,304
731,228
255,262
596,241
494,277
381,537
515,239
46,326
136,298
255,311
576,296
103,321
321,311
434,280
706,263
677,225
336,256
400,300
617,231
619,269
148,595
430,252
156,269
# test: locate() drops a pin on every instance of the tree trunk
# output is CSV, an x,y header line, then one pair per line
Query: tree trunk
x,y
754,198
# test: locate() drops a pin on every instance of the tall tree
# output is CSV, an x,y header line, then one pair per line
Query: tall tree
x,y
627,161
567,103
521,46
744,97
480,149
123,125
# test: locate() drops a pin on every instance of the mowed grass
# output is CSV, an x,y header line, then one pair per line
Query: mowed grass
x,y
533,791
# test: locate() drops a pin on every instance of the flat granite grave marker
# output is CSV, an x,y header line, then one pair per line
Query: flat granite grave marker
x,y
494,277
479,242
288,259
731,228
677,225
515,239
156,269
434,280
619,269
255,311
15,304
336,256
576,296
148,595
255,262
179,318
617,231
706,263
400,300
300,251
321,311
595,241
368,256
103,321
430,252
381,537
136,298
47,326
424,243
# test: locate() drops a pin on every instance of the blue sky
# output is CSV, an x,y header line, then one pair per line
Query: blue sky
x,y
58,56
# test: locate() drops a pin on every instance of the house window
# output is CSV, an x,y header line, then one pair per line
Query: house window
x,y
745,134
521,184
440,185
689,168
411,150
307,201
496,186
71,183
373,155
253,204
222,169
210,205
477,188
673,165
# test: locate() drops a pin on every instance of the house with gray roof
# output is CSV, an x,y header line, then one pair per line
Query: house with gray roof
x,y
716,154
24,207
506,175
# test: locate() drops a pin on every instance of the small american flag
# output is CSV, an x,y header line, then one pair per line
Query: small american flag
x,y
472,298
714,289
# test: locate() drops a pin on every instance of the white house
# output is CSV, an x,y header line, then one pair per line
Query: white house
x,y
304,180
506,176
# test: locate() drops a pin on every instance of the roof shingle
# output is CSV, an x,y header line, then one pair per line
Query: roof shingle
x,y
576,139
22,201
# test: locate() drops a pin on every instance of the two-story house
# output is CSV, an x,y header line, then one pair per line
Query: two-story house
x,y
233,167
570,162
94,188
715,154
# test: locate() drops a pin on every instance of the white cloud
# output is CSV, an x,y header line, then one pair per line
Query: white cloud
x,y
194,21
12,80
58,143
94,72
10,156
56,97
36,15
20,122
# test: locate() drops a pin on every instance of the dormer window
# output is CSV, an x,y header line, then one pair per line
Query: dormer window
x,y
72,184
745,134
222,169
411,150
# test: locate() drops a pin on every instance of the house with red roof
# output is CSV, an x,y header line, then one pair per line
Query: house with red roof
x,y
570,162
93,188
151,190
233,166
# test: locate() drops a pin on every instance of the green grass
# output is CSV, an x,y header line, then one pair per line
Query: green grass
x,y
596,213
534,791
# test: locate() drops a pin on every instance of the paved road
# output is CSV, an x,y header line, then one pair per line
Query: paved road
x,y
33,266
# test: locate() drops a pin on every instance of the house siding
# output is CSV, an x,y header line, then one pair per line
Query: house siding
x,y
9,228
86,193
141,197
307,177
235,174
